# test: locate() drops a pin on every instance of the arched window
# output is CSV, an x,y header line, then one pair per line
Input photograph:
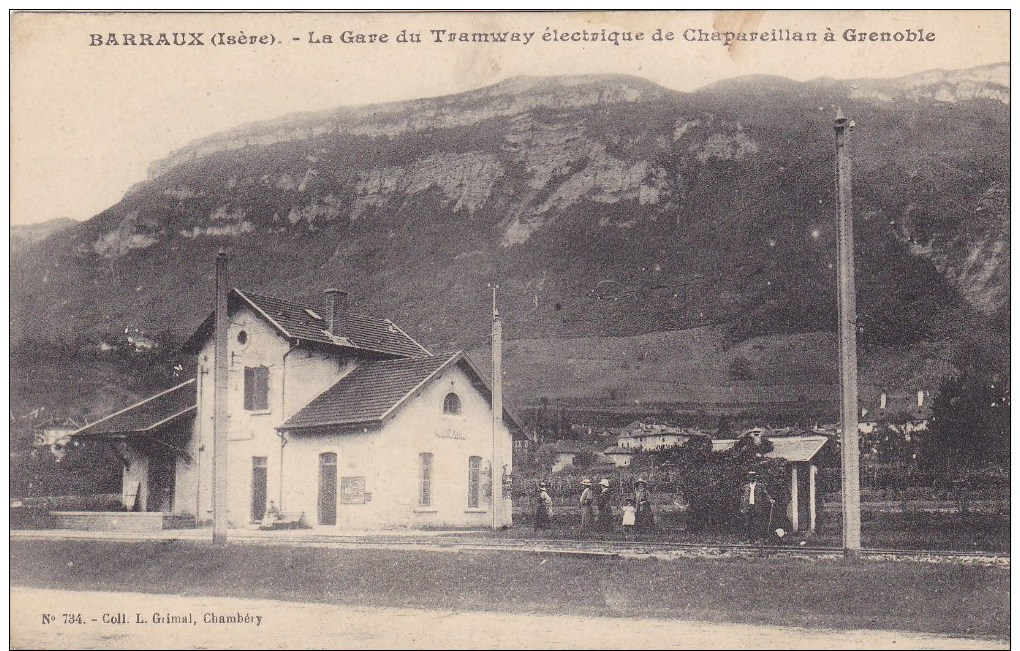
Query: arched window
x,y
451,405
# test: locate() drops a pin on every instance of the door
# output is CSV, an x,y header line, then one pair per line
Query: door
x,y
259,478
161,481
327,488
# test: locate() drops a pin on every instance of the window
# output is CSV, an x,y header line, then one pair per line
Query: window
x,y
425,476
451,405
474,481
242,337
256,388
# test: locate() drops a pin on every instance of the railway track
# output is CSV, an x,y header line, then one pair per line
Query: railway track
x,y
458,541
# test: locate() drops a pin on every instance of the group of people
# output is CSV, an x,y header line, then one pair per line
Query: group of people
x,y
596,505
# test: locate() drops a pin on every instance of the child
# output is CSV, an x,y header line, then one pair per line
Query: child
x,y
628,517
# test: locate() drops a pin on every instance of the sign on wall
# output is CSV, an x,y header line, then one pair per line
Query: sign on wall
x,y
352,490
450,433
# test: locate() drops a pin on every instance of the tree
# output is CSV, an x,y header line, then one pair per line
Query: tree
x,y
724,427
584,459
545,456
970,421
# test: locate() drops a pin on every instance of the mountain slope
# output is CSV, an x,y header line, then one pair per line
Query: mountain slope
x,y
604,206
24,236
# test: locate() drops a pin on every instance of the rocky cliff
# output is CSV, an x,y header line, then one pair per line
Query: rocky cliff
x,y
602,205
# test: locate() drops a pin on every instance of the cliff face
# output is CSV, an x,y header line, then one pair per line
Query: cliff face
x,y
603,205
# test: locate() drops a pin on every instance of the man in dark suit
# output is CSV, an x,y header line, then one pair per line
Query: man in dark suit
x,y
756,505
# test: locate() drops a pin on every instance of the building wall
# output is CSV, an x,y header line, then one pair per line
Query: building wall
x,y
563,459
296,376
651,441
136,474
620,460
388,458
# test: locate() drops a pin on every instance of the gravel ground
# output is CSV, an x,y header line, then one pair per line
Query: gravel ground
x,y
286,625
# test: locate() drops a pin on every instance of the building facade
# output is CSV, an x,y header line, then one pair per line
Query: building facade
x,y
339,419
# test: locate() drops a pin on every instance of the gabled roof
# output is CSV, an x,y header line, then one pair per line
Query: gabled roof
x,y
375,390
148,415
616,449
305,323
791,448
895,407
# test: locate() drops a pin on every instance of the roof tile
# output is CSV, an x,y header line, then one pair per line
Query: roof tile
x,y
368,392
356,330
146,415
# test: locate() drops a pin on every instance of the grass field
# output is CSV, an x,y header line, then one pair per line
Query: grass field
x,y
934,598
963,532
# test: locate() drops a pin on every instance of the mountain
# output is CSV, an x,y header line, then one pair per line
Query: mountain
x,y
605,206
23,236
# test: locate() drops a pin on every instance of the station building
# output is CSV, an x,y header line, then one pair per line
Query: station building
x,y
341,420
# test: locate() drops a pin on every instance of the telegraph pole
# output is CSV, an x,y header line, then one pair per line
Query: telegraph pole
x,y
497,410
220,370
847,343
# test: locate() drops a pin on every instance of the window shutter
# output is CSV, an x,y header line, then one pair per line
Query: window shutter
x,y
262,384
249,377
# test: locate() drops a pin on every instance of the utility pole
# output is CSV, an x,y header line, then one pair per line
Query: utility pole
x,y
220,370
497,411
847,343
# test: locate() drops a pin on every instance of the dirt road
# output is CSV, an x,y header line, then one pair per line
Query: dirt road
x,y
230,623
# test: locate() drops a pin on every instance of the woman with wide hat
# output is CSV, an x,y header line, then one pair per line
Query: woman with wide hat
x,y
587,504
543,508
644,521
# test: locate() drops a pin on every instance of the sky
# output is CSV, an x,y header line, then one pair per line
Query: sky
x,y
87,120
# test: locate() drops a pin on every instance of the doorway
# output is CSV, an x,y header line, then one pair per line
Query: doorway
x,y
161,483
327,488
259,492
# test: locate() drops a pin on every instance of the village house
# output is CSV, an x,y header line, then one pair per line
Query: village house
x,y
567,451
341,419
654,436
621,457
908,413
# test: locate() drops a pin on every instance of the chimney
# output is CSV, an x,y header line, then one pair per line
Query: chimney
x,y
336,308
881,404
920,397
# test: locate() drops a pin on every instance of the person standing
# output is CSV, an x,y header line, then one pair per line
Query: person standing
x,y
629,513
756,505
644,520
605,507
587,504
543,508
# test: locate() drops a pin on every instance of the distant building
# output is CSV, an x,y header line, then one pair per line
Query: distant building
x,y
568,449
54,434
914,409
138,340
620,456
654,436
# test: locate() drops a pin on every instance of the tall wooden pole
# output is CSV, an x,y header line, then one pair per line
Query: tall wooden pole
x,y
847,344
220,371
497,412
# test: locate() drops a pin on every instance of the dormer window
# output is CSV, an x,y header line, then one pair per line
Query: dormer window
x,y
451,405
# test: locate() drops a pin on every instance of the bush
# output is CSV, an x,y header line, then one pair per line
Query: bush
x,y
711,481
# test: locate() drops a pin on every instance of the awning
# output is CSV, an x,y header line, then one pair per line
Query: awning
x,y
146,416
